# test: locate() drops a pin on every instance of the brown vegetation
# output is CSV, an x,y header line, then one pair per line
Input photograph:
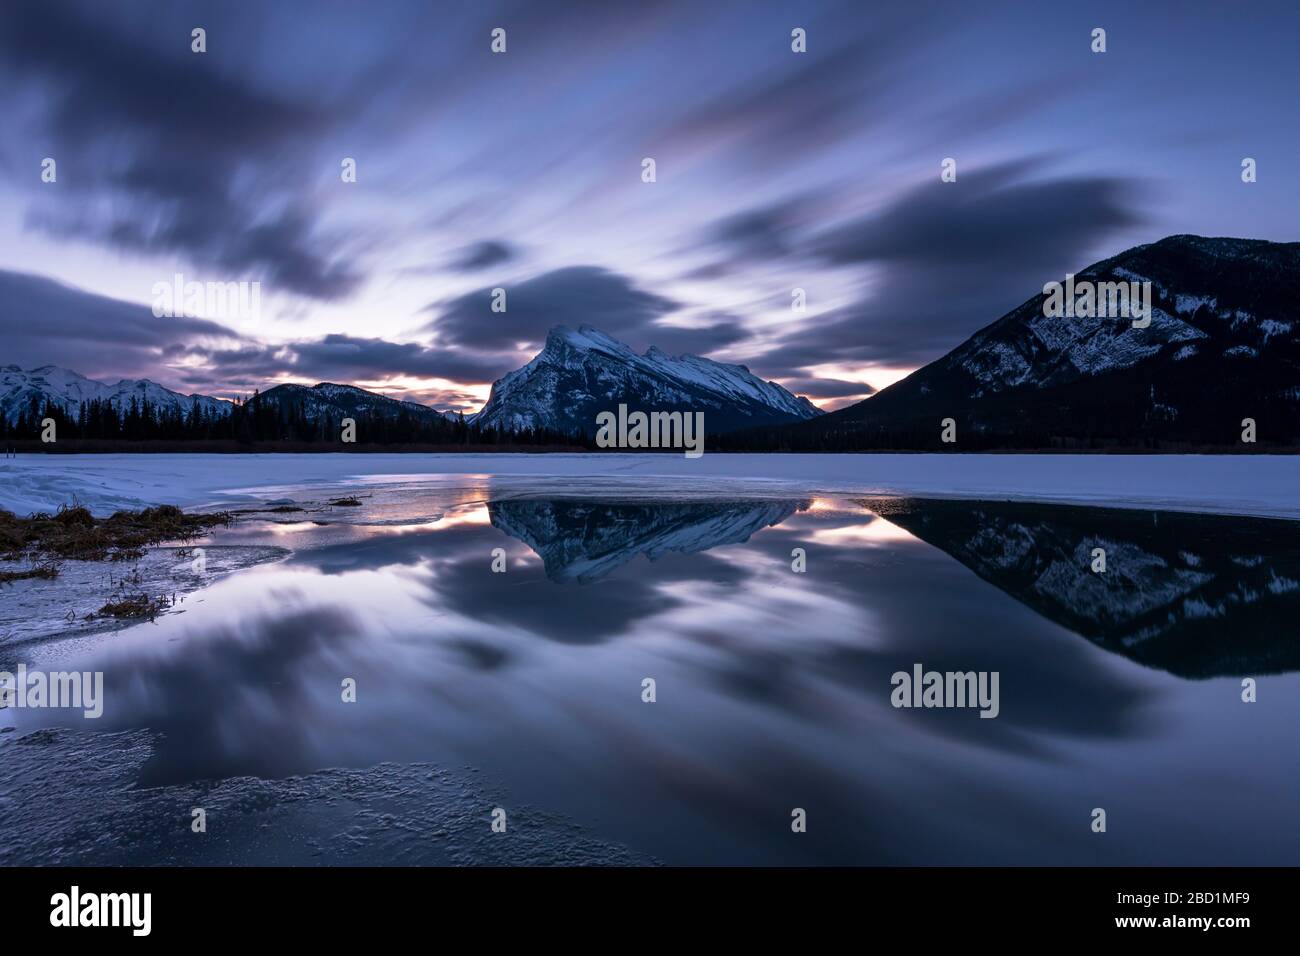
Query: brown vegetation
x,y
134,607
74,533
47,569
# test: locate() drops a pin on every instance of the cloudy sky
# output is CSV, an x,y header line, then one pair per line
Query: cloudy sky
x,y
775,170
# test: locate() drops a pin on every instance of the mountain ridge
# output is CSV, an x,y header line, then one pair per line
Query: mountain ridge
x,y
582,372
68,389
1222,346
332,397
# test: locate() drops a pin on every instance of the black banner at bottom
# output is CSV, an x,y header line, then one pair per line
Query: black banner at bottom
x,y
335,905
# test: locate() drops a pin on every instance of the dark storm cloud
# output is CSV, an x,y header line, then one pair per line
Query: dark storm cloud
x,y
988,216
761,234
806,100
100,80
950,258
579,295
43,322
281,251
483,255
345,355
827,387
765,232
175,145
677,340
344,358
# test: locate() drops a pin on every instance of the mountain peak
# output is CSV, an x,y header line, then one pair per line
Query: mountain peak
x,y
581,373
585,338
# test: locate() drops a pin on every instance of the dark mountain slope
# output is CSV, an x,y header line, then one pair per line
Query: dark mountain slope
x,y
1223,345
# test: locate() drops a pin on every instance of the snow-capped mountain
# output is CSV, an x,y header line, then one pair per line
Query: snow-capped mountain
x,y
582,373
1227,297
67,389
340,401
1223,344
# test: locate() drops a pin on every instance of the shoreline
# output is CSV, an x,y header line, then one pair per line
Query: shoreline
x,y
1245,485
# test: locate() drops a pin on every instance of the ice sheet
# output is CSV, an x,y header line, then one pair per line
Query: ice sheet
x,y
1233,484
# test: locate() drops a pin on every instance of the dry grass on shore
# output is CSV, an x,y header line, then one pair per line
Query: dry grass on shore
x,y
73,533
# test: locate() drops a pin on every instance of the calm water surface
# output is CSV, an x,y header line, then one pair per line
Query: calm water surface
x,y
1119,690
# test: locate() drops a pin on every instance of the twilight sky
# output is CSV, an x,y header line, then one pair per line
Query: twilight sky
x,y
522,170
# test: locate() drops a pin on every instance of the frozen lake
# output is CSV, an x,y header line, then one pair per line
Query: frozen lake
x,y
1243,484
523,687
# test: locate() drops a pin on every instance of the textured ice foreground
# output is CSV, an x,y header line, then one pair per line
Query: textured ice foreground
x,y
1245,484
774,687
73,797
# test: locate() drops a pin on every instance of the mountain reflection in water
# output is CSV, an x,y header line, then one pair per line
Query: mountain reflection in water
x,y
581,540
773,687
1196,595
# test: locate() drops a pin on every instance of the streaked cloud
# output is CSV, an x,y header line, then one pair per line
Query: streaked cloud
x,y
776,169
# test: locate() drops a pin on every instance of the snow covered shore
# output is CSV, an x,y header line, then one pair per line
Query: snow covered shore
x,y
1244,484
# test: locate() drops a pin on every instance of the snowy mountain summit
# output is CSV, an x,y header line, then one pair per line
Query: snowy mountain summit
x,y
582,373
67,390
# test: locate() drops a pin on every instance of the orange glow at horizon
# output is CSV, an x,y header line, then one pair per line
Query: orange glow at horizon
x,y
874,378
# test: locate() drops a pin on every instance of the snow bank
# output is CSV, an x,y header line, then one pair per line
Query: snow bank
x,y
1244,484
